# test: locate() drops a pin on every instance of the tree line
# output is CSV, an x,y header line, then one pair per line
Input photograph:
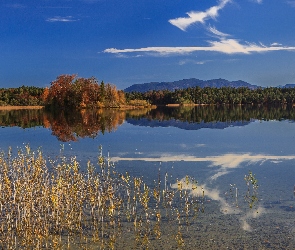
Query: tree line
x,y
224,95
66,92
72,92
22,96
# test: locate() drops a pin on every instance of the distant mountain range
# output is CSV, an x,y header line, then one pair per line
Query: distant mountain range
x,y
288,86
192,82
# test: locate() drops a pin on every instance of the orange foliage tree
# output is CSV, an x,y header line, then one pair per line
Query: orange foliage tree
x,y
68,91
60,91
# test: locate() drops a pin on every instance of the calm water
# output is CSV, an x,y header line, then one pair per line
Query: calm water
x,y
216,146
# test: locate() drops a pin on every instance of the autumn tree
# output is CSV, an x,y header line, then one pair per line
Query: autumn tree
x,y
68,91
111,96
60,91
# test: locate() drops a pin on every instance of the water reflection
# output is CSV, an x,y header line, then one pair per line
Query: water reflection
x,y
217,159
71,126
237,199
225,162
89,123
24,118
226,207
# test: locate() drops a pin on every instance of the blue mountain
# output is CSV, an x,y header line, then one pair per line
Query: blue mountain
x,y
188,83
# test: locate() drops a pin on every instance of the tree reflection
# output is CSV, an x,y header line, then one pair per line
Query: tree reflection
x,y
84,123
219,113
70,126
24,118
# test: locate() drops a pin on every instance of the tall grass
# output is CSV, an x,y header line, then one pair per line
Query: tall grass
x,y
51,204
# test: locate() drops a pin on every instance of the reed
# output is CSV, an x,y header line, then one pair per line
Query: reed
x,y
52,204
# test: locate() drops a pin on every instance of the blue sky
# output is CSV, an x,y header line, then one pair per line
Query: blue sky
x,y
138,41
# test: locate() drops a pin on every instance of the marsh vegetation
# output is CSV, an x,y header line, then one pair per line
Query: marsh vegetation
x,y
51,204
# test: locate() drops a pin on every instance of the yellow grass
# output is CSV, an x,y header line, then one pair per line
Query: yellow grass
x,y
51,204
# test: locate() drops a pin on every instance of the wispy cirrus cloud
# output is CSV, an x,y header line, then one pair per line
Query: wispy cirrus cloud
x,y
223,45
61,19
276,44
198,16
226,46
15,6
189,61
216,32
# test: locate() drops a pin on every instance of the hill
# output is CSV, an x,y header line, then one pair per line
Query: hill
x,y
187,83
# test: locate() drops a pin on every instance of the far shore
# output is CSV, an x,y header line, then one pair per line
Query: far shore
x,y
20,107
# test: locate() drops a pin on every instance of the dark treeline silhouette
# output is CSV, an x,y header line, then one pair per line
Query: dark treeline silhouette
x,y
22,96
225,95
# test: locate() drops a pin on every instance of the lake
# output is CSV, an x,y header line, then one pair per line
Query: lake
x,y
225,149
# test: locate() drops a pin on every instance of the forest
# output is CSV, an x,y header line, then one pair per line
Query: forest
x,y
72,92
225,95
22,96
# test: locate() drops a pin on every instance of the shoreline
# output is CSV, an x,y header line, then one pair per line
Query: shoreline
x,y
20,107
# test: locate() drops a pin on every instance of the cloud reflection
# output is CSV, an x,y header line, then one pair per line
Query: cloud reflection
x,y
225,207
213,194
252,214
225,161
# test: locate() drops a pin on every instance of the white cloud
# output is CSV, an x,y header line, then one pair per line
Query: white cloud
x,y
217,32
189,61
276,44
226,46
256,1
222,45
198,16
61,19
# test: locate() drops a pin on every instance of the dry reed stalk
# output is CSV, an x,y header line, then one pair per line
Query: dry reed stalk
x,y
52,204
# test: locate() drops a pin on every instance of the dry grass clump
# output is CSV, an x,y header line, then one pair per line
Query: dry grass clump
x,y
51,204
